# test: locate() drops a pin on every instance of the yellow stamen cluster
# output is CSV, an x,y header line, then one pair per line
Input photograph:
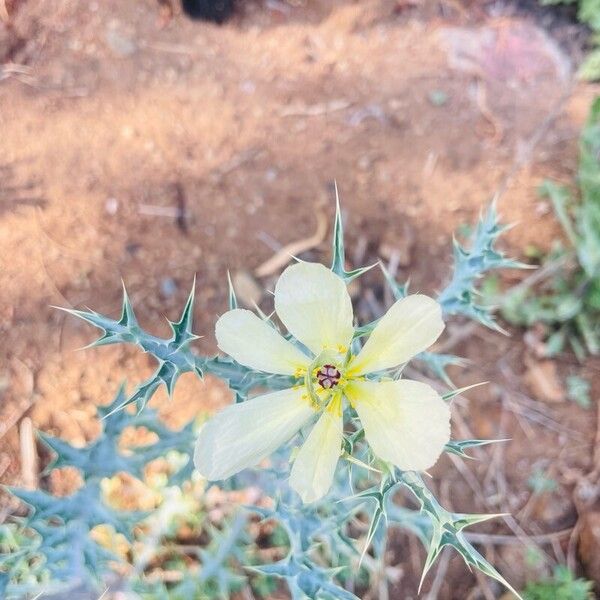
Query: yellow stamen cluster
x,y
335,406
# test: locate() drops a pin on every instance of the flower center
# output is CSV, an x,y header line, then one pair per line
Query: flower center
x,y
328,376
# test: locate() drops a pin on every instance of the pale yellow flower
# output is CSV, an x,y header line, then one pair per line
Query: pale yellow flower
x,y
405,422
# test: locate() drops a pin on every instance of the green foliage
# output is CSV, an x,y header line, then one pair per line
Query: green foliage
x,y
216,578
588,12
562,586
540,483
318,542
578,390
567,301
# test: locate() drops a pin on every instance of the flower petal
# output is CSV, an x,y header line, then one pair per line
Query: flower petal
x,y
406,422
254,343
243,434
314,304
410,326
313,470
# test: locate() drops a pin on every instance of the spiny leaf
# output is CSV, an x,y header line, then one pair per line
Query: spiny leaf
x,y
460,296
365,329
447,531
63,524
223,547
173,354
453,393
381,496
84,505
128,318
460,521
182,329
399,290
459,447
339,253
306,578
438,363
414,521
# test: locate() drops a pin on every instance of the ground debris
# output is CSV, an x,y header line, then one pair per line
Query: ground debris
x,y
397,246
543,380
288,252
118,42
512,51
589,544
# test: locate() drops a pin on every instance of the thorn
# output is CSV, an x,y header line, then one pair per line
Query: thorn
x,y
462,390
127,315
233,303
115,410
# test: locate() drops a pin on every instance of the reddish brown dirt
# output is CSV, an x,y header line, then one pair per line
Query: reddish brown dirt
x,y
107,109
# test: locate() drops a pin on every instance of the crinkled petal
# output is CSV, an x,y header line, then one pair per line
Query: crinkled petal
x,y
406,422
243,434
314,304
254,343
313,470
410,326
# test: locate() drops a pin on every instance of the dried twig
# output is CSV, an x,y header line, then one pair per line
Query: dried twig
x,y
4,12
4,463
29,457
19,72
8,423
169,48
572,547
496,464
314,110
486,112
287,253
457,335
511,540
440,575
484,586
235,162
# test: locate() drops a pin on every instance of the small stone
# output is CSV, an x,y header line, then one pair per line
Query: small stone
x,y
168,287
119,43
247,290
364,163
270,176
248,86
542,379
127,132
438,97
111,206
